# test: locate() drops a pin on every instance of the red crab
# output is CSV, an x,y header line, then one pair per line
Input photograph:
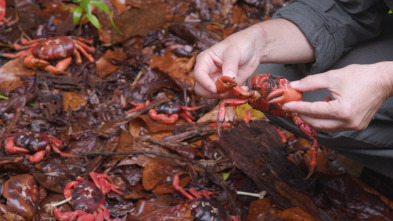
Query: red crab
x,y
37,143
36,53
2,10
268,93
87,199
5,21
167,113
202,208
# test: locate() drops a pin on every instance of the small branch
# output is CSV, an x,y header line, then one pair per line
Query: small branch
x,y
139,153
260,195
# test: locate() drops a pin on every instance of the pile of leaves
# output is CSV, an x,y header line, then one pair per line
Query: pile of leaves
x,y
148,55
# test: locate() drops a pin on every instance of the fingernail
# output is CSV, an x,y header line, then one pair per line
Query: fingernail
x,y
230,74
294,83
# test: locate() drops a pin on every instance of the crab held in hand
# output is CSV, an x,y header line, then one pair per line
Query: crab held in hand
x,y
267,94
87,198
37,143
37,53
201,208
167,113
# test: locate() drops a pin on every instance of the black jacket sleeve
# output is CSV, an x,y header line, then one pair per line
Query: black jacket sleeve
x,y
334,26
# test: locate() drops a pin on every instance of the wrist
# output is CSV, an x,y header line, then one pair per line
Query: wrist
x,y
387,76
282,41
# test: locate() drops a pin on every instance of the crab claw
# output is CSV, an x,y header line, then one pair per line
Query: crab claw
x,y
283,95
224,84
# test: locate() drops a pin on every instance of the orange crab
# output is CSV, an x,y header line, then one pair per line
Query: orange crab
x,y
37,53
268,93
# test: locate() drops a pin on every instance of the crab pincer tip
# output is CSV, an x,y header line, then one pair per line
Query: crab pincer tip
x,y
310,172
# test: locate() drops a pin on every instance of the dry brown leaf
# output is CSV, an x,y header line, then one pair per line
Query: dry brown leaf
x,y
120,5
211,116
156,175
153,210
104,66
150,15
262,208
73,101
295,214
9,73
177,68
144,122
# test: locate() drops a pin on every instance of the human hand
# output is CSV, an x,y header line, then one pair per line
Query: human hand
x,y
358,92
240,54
236,57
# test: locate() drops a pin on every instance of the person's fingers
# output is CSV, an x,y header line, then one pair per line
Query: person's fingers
x,y
312,82
202,91
204,69
230,62
326,125
318,109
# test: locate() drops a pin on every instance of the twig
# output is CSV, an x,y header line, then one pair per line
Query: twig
x,y
163,143
260,195
138,153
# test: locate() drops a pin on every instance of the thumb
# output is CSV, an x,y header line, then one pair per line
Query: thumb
x,y
230,63
311,83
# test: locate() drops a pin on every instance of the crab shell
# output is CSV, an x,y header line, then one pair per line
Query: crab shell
x,y
31,141
87,197
54,48
262,85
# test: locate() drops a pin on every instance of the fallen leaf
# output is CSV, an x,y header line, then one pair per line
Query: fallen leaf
x,y
9,73
177,68
73,101
104,66
157,176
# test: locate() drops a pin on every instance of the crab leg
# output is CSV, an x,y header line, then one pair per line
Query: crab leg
x,y
101,180
188,117
312,133
283,95
62,65
11,148
38,156
180,189
163,118
228,103
138,106
83,51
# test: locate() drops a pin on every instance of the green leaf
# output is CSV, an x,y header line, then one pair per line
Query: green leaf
x,y
225,176
76,16
390,12
87,6
94,20
101,5
113,24
3,97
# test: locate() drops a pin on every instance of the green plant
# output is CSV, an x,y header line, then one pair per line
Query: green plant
x,y
84,10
